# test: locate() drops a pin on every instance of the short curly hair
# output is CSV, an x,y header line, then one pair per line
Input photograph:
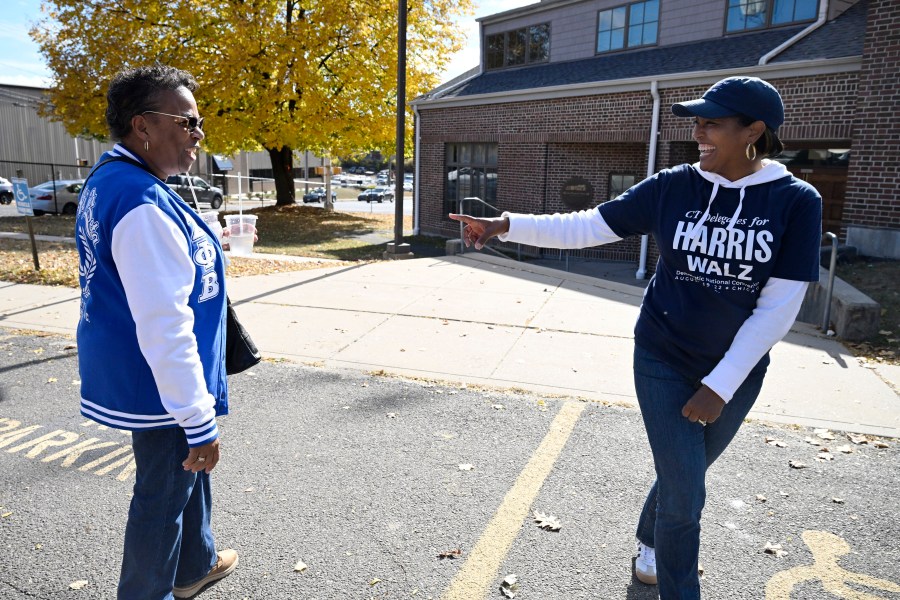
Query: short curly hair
x,y
137,90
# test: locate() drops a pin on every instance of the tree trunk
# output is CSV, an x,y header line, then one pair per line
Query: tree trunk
x,y
283,172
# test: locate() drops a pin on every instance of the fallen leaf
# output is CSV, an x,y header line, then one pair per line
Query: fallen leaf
x,y
39,351
774,549
846,449
451,554
824,456
796,464
509,586
375,581
785,494
391,415
548,522
880,444
497,406
51,380
858,439
6,514
812,441
761,498
777,443
300,566
837,500
824,434
77,585
466,467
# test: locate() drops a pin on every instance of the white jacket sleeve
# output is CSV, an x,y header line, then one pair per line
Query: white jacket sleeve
x,y
157,272
775,312
580,229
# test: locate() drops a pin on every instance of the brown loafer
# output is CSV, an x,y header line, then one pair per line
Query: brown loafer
x,y
228,560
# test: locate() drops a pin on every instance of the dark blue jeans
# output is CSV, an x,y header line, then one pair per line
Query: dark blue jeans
x,y
168,540
682,451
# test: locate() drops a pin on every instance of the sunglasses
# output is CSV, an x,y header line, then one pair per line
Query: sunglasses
x,y
192,124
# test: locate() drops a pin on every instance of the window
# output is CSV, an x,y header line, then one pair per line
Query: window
x,y
470,171
628,26
754,14
518,47
619,183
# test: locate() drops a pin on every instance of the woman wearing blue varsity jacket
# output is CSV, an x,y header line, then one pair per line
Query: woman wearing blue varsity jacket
x,y
151,336
739,240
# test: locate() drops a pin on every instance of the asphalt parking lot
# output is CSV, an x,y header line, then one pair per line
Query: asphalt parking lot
x,y
367,480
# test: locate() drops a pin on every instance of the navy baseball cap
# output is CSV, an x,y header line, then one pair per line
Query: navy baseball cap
x,y
748,96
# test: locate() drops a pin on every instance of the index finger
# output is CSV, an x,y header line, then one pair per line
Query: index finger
x,y
464,218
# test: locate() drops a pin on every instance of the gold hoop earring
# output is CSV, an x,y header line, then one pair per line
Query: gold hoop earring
x,y
747,152
146,145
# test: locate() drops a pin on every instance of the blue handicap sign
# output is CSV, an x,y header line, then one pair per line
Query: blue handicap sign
x,y
23,200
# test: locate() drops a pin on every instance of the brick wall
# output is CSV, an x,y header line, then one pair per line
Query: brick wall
x,y
542,143
872,198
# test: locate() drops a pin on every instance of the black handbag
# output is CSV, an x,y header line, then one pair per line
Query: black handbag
x,y
240,351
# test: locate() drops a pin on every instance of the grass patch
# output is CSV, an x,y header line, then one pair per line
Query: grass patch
x,y
878,279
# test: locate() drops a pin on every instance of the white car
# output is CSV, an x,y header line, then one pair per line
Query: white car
x,y
6,191
407,186
57,197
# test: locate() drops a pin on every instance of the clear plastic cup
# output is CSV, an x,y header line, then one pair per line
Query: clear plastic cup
x,y
211,218
241,231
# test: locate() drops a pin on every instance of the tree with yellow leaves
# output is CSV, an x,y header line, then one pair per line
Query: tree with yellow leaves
x,y
316,75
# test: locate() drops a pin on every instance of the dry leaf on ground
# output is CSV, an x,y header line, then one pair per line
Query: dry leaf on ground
x,y
774,549
824,434
858,439
509,586
548,522
796,464
777,443
77,585
451,554
300,566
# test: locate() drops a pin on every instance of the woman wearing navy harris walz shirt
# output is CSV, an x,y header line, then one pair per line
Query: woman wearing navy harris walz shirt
x,y
739,243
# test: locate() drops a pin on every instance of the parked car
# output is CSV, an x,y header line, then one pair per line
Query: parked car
x,y
379,194
205,193
6,191
318,195
64,200
407,186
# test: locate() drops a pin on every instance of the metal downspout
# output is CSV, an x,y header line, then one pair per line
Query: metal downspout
x,y
651,168
417,128
823,15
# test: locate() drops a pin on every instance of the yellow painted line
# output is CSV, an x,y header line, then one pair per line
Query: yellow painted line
x,y
477,575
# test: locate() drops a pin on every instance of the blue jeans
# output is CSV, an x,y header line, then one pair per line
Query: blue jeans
x,y
682,451
168,540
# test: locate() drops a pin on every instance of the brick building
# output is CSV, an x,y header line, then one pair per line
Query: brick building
x,y
570,106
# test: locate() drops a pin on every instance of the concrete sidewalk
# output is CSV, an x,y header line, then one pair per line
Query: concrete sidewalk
x,y
478,319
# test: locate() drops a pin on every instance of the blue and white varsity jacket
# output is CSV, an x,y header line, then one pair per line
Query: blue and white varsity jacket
x,y
151,336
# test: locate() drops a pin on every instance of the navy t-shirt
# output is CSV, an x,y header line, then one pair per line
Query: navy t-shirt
x,y
705,288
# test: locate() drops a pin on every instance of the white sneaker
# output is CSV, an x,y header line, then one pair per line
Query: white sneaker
x,y
645,564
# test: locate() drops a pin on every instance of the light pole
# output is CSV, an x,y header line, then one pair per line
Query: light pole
x,y
397,249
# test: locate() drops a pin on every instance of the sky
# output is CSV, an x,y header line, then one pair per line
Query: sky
x,y
22,64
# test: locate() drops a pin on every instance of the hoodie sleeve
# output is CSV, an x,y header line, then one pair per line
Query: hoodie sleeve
x,y
775,312
580,229
152,256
